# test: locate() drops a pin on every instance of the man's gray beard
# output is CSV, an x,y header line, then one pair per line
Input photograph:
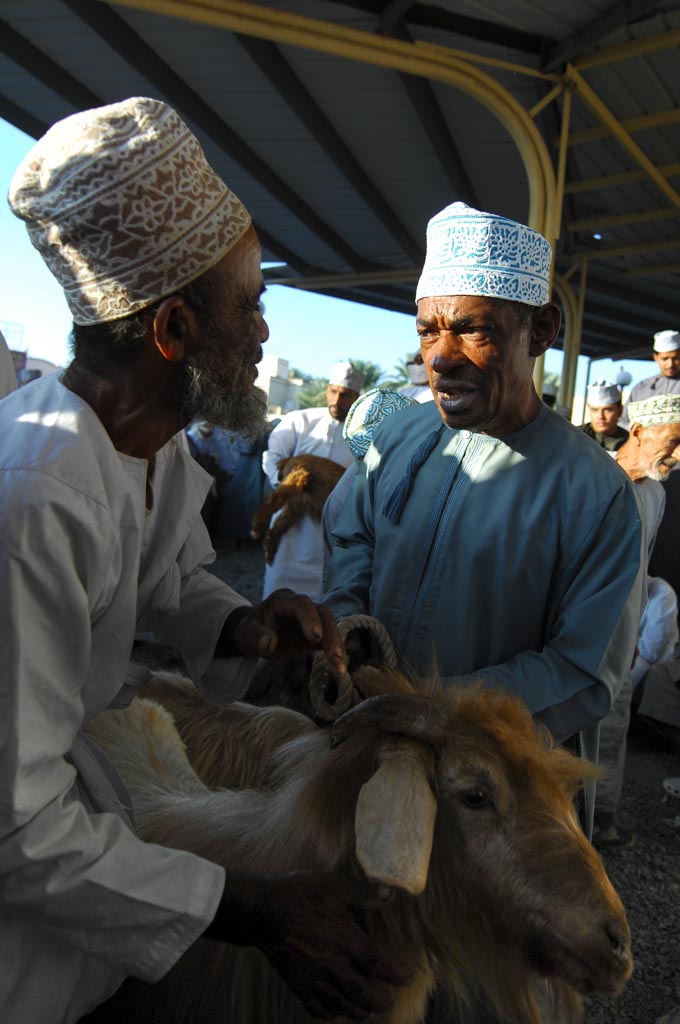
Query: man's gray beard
x,y
662,474
235,404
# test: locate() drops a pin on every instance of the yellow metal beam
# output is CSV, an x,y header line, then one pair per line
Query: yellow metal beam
x,y
633,48
570,273
321,281
562,164
612,180
424,60
653,268
548,98
492,62
631,124
632,250
621,219
565,294
576,346
589,96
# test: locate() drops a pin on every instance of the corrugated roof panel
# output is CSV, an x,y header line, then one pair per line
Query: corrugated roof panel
x,y
371,111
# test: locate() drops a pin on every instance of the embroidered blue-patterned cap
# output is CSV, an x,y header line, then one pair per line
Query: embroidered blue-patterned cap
x,y
366,413
474,253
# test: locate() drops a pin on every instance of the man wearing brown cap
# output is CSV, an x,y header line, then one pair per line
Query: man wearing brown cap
x,y
102,542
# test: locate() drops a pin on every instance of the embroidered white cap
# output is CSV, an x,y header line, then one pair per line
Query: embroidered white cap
x,y
474,253
346,375
124,208
656,411
666,341
603,392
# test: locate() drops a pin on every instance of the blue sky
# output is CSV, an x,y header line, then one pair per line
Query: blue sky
x,y
310,331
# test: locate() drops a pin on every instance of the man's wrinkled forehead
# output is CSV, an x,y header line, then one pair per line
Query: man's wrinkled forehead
x,y
662,434
459,309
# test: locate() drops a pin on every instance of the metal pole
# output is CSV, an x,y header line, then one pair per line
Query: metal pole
x,y
585,392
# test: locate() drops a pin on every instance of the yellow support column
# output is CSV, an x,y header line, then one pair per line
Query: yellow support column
x,y
576,343
567,298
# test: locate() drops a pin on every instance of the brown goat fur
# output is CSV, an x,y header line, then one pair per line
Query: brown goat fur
x,y
305,481
515,893
215,736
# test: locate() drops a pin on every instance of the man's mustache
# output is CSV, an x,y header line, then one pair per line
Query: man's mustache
x,y
453,381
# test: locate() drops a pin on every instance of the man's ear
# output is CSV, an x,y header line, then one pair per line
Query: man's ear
x,y
635,431
545,324
174,328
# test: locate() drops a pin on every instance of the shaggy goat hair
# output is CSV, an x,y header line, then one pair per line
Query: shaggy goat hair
x,y
516,901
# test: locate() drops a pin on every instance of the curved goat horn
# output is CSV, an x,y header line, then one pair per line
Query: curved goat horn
x,y
421,718
394,819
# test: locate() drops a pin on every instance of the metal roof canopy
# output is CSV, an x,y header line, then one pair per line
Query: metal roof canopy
x,y
345,126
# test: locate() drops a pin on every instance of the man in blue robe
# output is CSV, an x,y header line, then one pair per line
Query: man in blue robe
x,y
490,536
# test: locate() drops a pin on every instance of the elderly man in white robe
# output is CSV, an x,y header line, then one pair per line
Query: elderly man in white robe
x,y
299,559
648,456
101,543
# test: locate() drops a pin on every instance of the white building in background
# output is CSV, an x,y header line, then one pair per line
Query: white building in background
x,y
273,376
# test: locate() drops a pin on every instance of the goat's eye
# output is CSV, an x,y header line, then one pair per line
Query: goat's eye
x,y
475,799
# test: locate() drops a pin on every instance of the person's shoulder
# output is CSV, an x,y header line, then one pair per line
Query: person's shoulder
x,y
573,452
408,426
413,417
648,384
49,432
298,417
654,489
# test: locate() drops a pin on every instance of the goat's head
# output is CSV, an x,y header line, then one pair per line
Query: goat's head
x,y
504,852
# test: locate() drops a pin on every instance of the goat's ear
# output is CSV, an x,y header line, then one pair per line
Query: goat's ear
x,y
395,815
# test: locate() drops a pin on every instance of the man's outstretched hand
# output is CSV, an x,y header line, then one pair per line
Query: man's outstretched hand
x,y
284,624
311,928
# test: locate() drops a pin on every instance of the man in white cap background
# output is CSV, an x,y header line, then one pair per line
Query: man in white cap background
x,y
418,387
666,355
648,457
298,562
605,408
102,541
316,431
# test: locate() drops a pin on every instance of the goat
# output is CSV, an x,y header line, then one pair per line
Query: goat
x,y
228,747
513,898
305,483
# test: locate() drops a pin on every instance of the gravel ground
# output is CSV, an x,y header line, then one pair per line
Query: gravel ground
x,y
646,876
